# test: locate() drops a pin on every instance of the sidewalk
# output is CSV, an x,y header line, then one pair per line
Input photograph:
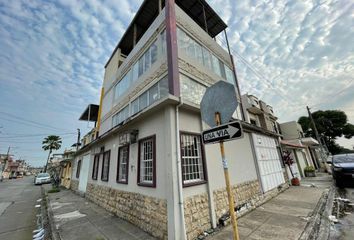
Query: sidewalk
x,y
74,217
283,217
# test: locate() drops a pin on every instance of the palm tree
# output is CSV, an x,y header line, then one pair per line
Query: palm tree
x,y
52,142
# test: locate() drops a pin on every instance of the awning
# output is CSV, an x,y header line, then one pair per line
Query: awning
x,y
309,141
291,145
90,114
149,10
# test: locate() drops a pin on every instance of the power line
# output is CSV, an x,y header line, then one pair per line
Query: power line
x,y
30,121
35,135
259,75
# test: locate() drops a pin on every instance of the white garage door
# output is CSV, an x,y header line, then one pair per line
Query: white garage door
x,y
268,159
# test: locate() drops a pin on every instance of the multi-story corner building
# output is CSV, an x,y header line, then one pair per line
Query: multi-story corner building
x,y
147,163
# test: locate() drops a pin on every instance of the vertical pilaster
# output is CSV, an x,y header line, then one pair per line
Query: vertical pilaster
x,y
172,50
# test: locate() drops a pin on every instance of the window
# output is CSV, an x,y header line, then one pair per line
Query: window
x,y
96,161
135,106
193,171
123,164
191,90
105,166
253,121
135,74
143,100
153,94
147,60
146,162
78,168
153,52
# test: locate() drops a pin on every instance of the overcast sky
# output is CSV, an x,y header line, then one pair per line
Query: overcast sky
x,y
52,56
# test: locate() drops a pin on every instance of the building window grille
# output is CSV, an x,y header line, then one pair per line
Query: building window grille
x,y
123,164
96,161
193,170
78,168
146,168
105,166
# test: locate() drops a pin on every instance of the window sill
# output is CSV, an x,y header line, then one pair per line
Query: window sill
x,y
151,185
194,183
122,182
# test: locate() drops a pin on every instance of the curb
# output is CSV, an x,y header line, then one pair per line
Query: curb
x,y
318,227
54,235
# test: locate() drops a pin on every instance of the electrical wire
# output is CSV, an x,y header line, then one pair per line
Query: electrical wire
x,y
38,124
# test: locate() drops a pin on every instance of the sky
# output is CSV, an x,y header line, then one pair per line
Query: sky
x,y
52,55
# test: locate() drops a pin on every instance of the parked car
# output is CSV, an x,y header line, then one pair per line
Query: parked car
x,y
42,178
343,168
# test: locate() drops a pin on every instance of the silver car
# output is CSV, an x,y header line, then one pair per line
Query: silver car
x,y
42,178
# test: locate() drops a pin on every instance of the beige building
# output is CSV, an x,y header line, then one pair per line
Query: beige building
x,y
146,163
309,153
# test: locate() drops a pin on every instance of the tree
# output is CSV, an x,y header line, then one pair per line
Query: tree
x,y
330,125
52,142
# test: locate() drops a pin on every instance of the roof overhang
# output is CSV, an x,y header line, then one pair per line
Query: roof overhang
x,y
291,145
90,114
149,10
309,141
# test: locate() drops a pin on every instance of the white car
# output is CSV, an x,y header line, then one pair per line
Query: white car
x,y
42,178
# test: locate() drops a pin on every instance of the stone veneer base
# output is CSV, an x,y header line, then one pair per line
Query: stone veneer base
x,y
247,195
148,213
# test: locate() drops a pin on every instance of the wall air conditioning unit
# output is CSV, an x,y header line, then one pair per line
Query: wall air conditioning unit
x,y
128,137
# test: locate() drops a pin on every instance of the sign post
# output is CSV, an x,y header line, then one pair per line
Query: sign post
x,y
228,187
217,107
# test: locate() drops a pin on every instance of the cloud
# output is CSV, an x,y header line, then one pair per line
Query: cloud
x,y
289,53
298,53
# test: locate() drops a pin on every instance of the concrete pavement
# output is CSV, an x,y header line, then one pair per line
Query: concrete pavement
x,y
17,213
74,218
283,217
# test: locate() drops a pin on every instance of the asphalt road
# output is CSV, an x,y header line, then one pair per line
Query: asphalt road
x,y
346,226
17,212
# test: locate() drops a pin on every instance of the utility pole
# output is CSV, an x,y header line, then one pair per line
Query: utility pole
x,y
316,132
78,139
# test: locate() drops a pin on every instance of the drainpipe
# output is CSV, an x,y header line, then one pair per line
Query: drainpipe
x,y
179,172
210,193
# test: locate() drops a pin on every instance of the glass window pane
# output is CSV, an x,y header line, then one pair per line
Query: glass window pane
x,y
135,106
206,58
191,90
153,94
135,74
153,52
141,66
163,42
222,69
199,53
229,75
216,67
143,101
190,47
147,60
163,85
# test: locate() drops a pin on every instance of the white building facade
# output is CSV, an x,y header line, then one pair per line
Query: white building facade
x,y
148,164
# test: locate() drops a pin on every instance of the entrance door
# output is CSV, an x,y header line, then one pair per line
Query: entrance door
x,y
268,159
84,172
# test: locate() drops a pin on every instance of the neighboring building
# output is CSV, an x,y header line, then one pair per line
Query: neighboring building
x,y
66,167
265,136
146,162
310,154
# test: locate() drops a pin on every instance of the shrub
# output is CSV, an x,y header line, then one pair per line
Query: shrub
x,y
309,169
54,190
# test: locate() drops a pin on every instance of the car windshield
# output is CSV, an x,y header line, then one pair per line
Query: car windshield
x,y
343,158
43,175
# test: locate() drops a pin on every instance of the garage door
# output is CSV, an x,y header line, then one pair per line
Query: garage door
x,y
268,159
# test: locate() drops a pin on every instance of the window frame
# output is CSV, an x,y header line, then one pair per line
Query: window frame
x,y
203,159
95,166
78,168
103,160
144,184
127,163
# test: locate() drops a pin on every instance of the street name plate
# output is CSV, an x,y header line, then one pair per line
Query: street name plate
x,y
225,132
